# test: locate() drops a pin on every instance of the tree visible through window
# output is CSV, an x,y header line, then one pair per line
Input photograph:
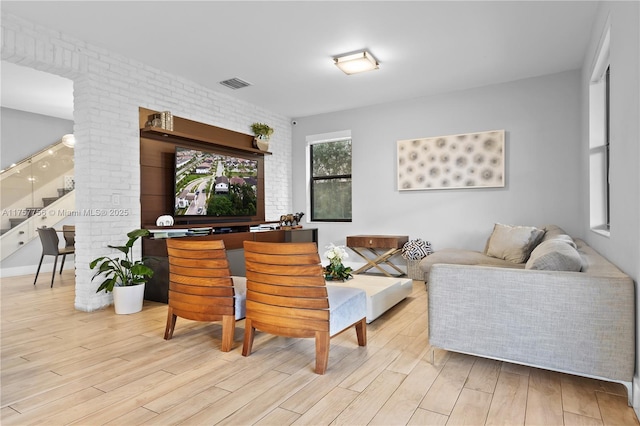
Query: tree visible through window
x,y
331,181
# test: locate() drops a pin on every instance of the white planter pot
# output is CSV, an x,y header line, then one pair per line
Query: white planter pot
x,y
261,143
128,300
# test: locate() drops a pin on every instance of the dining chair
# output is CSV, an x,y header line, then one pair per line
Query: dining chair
x,y
69,234
50,241
201,287
288,296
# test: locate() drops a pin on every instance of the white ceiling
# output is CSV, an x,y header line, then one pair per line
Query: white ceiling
x,y
285,48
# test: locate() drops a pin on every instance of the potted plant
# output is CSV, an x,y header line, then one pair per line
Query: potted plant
x,y
262,134
124,276
335,270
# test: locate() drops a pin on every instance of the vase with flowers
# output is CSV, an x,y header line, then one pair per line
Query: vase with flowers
x,y
335,270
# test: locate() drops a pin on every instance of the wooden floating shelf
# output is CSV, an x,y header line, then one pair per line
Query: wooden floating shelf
x,y
159,133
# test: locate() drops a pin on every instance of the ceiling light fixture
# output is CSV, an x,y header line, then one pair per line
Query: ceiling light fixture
x,y
354,63
69,141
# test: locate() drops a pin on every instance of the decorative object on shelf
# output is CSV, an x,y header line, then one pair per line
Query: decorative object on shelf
x,y
262,134
164,220
162,120
472,160
154,120
291,220
414,251
335,270
123,272
166,119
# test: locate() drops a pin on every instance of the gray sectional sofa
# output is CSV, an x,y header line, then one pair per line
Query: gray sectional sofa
x,y
544,311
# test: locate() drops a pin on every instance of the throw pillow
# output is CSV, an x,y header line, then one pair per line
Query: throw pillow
x,y
555,255
513,243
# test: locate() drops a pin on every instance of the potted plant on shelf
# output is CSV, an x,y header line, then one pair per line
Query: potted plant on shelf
x,y
124,276
262,134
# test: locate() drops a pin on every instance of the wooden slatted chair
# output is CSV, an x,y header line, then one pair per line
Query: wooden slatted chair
x,y
287,296
201,287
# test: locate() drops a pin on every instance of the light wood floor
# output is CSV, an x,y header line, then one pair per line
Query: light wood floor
x,y
62,366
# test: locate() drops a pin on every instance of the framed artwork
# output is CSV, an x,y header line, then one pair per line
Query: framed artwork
x,y
471,160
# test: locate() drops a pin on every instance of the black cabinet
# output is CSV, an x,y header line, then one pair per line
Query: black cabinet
x,y
155,250
301,235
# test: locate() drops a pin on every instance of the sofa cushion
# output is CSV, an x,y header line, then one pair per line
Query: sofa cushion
x,y
551,232
555,255
347,306
565,238
513,243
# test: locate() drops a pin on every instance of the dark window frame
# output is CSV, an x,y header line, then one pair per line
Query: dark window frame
x,y
314,179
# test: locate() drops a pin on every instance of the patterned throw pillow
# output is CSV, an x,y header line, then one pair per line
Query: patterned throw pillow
x,y
416,249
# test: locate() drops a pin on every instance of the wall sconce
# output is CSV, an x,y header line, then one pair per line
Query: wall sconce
x,y
69,141
356,62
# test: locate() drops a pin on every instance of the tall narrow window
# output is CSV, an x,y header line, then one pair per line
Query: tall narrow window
x,y
607,104
600,141
330,178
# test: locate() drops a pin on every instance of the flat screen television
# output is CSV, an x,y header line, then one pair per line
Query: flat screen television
x,y
211,184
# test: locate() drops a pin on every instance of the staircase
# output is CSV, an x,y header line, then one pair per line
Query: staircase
x,y
25,231
33,193
33,211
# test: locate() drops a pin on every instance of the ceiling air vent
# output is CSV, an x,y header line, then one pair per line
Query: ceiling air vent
x,y
235,83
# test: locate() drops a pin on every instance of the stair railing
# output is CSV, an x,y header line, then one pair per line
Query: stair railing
x,y
29,186
21,234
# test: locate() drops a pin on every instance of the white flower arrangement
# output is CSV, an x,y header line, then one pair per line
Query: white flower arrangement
x,y
336,270
336,253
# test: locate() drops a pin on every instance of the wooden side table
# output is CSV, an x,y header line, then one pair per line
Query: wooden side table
x,y
381,247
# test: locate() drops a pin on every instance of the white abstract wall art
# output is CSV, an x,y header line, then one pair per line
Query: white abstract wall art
x,y
471,160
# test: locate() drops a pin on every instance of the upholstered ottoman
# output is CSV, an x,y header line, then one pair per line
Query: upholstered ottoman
x,y
382,292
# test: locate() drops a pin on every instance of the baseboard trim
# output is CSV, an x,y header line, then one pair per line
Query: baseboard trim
x,y
31,269
636,396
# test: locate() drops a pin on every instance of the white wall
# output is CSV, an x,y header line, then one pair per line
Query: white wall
x,y
541,117
25,133
108,90
622,247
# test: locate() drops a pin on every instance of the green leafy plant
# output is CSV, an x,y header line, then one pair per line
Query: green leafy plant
x,y
122,271
337,272
261,129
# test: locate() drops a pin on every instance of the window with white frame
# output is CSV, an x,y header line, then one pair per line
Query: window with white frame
x,y
599,140
329,172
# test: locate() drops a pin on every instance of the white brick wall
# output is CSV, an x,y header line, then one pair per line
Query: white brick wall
x,y
108,90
